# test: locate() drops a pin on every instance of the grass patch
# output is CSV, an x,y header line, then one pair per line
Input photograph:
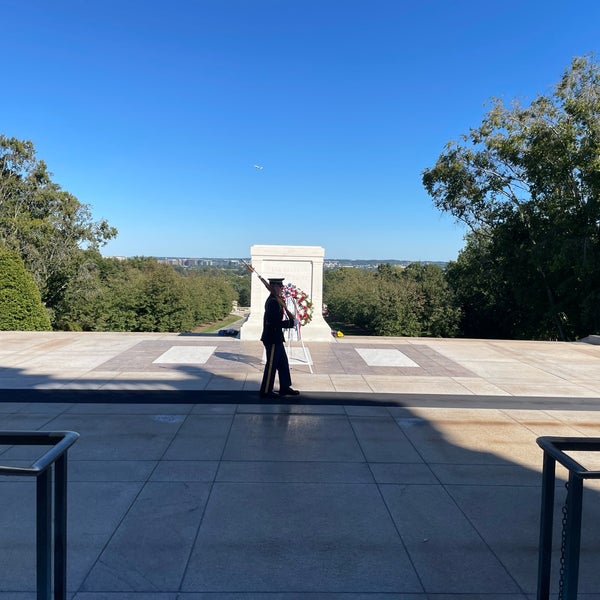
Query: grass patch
x,y
216,325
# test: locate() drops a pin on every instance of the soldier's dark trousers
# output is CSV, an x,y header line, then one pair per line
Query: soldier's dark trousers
x,y
277,361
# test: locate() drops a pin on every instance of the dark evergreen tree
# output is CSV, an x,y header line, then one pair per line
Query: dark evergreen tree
x,y
21,307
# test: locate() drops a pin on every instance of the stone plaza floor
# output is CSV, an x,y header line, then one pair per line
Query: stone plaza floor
x,y
408,468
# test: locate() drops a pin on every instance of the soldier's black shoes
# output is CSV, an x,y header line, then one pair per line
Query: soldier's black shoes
x,y
289,392
284,392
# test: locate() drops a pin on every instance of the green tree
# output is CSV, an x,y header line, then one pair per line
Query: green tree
x,y
438,310
398,306
350,295
212,296
21,307
528,179
46,225
393,301
140,294
164,301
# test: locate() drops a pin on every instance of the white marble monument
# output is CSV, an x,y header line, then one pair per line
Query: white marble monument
x,y
300,265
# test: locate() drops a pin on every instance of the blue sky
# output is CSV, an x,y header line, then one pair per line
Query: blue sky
x,y
155,113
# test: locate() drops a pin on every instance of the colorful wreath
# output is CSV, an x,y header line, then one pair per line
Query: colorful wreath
x,y
304,305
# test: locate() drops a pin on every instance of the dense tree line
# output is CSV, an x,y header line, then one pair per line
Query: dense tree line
x,y
141,294
527,184
237,276
394,301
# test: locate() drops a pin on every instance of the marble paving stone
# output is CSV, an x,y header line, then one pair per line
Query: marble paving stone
x,y
305,382
479,597
95,510
22,595
480,387
367,411
402,473
124,596
185,470
453,413
588,460
25,595
26,421
431,526
210,409
91,521
12,407
545,427
299,356
577,418
129,409
289,409
415,385
127,383
163,520
17,548
26,381
544,389
110,470
306,596
490,475
378,357
288,437
350,383
199,383
298,537
252,383
222,382
585,372
469,443
508,371
381,440
164,374
201,437
507,518
95,384
294,472
132,437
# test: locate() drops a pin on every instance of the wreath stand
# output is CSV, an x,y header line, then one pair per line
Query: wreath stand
x,y
292,307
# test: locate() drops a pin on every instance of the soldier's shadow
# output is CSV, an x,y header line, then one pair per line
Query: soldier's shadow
x,y
237,357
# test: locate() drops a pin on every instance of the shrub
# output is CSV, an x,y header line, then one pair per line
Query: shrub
x,y
21,307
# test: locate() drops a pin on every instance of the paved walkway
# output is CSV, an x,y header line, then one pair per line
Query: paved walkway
x,y
407,469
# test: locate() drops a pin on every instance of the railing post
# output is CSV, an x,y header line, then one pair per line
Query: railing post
x,y
546,524
573,537
60,528
52,462
43,534
558,449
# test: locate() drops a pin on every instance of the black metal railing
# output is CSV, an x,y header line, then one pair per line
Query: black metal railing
x,y
55,459
555,449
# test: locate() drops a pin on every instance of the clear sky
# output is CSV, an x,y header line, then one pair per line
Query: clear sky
x,y
155,113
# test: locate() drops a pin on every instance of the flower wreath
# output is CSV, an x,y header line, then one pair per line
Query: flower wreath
x,y
304,305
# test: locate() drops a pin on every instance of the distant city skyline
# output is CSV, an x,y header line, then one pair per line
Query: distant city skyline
x,y
229,260
208,127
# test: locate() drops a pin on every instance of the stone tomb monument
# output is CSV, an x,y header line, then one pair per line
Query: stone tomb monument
x,y
300,265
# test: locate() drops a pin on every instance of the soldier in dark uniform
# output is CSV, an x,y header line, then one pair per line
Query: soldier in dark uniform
x,y
272,338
